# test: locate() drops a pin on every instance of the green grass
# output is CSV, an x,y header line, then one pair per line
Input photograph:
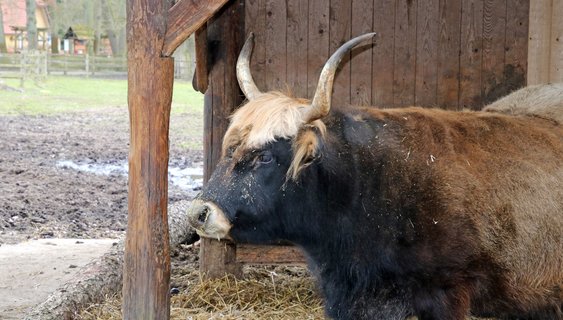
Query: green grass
x,y
60,94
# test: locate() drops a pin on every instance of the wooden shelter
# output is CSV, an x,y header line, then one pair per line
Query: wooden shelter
x,y
455,54
446,53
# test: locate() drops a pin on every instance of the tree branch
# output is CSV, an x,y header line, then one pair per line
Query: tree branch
x,y
184,18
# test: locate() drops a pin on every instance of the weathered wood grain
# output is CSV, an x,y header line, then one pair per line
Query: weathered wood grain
x,y
556,55
218,258
447,93
184,18
383,53
405,53
297,43
201,80
427,53
146,274
494,29
471,53
361,61
340,30
275,44
539,44
318,32
286,255
255,21
225,38
516,49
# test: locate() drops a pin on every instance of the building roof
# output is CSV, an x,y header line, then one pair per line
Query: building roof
x,y
14,13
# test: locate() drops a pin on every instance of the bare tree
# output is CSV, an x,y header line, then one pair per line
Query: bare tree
x,y
97,27
110,27
3,48
31,24
104,18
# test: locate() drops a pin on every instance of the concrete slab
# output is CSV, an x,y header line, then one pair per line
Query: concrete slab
x,y
31,270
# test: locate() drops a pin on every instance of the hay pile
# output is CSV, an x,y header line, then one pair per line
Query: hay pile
x,y
281,293
263,293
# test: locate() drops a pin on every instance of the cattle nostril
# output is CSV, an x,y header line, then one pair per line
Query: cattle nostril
x,y
203,214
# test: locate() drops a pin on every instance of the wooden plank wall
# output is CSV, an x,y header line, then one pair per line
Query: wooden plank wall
x,y
545,47
449,53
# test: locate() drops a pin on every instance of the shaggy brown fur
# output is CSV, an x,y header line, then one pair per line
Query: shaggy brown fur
x,y
405,211
518,162
544,100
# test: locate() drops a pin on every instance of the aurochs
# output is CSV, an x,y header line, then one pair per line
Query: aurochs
x,y
401,212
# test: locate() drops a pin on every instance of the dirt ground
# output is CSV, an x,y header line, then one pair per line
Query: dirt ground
x,y
41,199
42,266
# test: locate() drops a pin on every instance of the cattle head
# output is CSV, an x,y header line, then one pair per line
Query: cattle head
x,y
258,192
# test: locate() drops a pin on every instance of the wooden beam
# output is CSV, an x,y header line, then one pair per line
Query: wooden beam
x,y
146,274
184,18
253,254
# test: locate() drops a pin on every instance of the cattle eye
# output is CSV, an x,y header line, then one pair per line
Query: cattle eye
x,y
230,151
265,158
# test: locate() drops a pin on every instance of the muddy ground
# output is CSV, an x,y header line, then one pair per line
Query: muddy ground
x,y
41,199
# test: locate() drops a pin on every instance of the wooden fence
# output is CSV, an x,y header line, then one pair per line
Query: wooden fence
x,y
38,65
22,67
86,65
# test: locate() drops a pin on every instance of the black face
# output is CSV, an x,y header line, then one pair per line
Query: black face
x,y
252,193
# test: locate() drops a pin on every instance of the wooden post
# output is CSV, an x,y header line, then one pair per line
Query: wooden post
x,y
147,258
22,69
152,26
46,65
225,36
87,65
65,59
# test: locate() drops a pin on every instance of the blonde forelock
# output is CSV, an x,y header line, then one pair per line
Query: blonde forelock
x,y
271,115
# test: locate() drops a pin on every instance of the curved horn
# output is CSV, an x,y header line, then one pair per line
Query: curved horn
x,y
244,76
321,101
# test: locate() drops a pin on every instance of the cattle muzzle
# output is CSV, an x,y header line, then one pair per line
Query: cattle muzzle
x,y
208,220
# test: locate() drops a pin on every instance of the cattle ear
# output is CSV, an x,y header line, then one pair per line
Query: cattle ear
x,y
306,148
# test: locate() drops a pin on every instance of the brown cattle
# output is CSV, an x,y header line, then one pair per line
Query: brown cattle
x,y
401,212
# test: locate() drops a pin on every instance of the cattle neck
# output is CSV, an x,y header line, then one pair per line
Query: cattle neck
x,y
342,193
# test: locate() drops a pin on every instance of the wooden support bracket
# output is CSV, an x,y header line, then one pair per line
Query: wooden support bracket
x,y
184,18
201,80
